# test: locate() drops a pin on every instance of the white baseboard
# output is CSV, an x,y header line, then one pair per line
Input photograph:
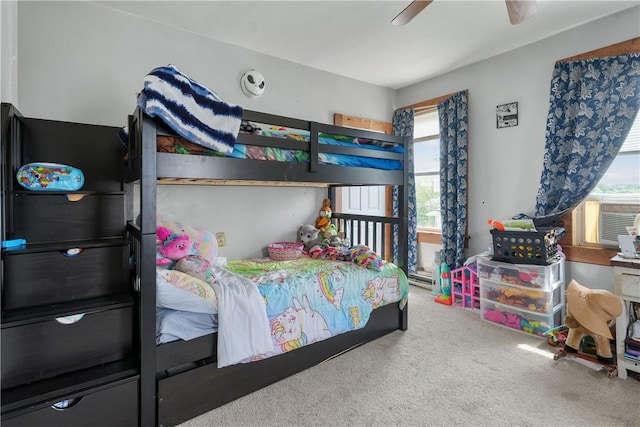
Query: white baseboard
x,y
420,284
421,281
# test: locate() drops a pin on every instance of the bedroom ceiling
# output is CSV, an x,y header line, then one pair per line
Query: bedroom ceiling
x,y
356,39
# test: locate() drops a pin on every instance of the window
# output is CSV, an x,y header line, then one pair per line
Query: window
x,y
615,201
426,137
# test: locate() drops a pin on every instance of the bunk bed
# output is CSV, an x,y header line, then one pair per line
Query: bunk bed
x,y
180,379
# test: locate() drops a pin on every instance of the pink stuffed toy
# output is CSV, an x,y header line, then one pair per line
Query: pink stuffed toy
x,y
172,247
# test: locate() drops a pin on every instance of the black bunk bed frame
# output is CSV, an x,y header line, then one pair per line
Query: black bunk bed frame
x,y
180,380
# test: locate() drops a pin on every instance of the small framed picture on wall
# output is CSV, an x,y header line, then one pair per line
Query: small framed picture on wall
x,y
507,115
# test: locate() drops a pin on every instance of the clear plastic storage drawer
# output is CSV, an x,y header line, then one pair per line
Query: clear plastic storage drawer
x,y
520,320
520,297
542,277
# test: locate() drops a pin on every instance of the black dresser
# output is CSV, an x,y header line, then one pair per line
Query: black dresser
x,y
69,335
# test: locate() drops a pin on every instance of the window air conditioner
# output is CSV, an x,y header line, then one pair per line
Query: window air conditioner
x,y
614,218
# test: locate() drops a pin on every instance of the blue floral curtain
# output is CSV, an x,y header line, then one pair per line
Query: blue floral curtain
x,y
403,126
453,177
593,104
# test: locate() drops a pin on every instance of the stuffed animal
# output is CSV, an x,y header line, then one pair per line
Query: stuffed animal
x,y
198,267
324,219
204,243
309,236
172,247
337,241
332,237
590,312
329,231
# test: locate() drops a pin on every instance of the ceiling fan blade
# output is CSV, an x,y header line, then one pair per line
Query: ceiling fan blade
x,y
410,12
521,10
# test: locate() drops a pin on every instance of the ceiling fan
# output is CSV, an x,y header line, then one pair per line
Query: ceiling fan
x,y
518,11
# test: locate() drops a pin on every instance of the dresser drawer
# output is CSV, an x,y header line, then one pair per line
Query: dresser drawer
x,y
112,406
628,285
41,218
50,277
39,350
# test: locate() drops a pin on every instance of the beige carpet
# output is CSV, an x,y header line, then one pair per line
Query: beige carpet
x,y
450,368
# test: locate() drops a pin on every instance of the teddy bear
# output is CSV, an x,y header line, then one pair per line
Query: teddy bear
x,y
309,236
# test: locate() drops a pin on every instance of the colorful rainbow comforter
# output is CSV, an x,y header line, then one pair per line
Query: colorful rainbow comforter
x,y
309,300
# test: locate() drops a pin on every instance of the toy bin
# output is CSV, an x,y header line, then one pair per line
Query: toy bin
x,y
527,247
522,298
544,278
521,320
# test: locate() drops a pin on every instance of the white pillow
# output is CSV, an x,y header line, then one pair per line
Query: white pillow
x,y
177,298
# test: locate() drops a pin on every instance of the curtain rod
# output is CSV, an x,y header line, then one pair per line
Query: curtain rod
x,y
625,47
425,105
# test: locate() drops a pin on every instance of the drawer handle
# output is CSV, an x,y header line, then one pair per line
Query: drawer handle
x,y
69,320
66,404
74,197
72,252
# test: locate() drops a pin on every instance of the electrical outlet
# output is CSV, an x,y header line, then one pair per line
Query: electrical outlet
x,y
221,238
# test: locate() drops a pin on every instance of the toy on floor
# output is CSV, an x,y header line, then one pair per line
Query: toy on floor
x,y
588,361
465,287
556,336
445,285
590,312
437,289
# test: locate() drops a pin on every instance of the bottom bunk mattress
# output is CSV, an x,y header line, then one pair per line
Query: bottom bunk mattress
x,y
305,301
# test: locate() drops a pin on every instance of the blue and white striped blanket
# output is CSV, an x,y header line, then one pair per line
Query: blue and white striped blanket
x,y
192,110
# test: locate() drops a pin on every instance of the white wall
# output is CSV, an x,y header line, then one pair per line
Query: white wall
x,y
249,223
505,164
84,62
8,51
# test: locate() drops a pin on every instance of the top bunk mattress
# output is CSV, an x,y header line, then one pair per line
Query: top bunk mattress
x,y
198,137
246,150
